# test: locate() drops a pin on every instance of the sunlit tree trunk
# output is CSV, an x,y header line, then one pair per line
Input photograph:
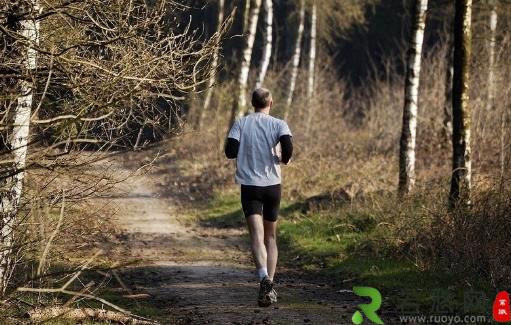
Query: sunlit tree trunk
x,y
214,67
296,60
461,167
240,104
246,13
11,193
265,62
312,67
448,93
409,130
491,55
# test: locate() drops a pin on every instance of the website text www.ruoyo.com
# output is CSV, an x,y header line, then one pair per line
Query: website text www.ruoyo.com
x,y
445,319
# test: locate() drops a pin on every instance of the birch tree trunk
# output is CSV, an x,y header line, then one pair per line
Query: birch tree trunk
x,y
296,60
461,162
214,67
448,93
246,12
490,103
312,67
240,104
409,130
265,62
11,193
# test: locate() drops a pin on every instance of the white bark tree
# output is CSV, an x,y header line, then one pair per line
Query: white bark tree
x,y
409,130
240,104
265,61
214,67
462,165
491,55
312,66
448,93
11,193
246,12
296,59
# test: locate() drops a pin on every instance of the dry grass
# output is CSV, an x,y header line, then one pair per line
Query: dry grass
x,y
473,242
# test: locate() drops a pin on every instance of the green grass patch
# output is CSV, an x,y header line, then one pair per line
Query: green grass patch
x,y
354,246
223,211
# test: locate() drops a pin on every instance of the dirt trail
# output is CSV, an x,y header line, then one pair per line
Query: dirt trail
x,y
198,274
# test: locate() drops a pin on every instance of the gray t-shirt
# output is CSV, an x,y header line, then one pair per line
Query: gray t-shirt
x,y
258,161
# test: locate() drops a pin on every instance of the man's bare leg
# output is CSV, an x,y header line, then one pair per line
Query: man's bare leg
x,y
256,229
270,241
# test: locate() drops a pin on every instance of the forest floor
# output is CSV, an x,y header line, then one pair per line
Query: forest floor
x,y
198,272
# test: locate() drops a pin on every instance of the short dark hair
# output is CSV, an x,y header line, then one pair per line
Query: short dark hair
x,y
261,98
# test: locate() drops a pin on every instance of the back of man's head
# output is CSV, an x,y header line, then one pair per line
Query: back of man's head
x,y
261,98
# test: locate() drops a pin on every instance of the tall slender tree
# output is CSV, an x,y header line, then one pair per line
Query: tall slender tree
x,y
214,67
490,102
11,194
265,61
296,59
461,159
448,92
312,66
240,103
409,130
246,13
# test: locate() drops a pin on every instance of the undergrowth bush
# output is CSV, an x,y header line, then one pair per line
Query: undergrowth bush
x,y
474,241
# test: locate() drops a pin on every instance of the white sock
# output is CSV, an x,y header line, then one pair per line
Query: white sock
x,y
262,272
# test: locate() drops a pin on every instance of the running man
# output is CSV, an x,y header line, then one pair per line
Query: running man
x,y
253,141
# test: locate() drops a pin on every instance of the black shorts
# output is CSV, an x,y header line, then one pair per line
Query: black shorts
x,y
262,200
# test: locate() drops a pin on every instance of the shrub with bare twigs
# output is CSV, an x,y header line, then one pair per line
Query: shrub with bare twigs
x,y
79,78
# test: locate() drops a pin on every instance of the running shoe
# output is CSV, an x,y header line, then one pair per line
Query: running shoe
x,y
267,295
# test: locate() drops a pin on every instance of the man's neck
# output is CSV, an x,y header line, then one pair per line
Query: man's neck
x,y
263,110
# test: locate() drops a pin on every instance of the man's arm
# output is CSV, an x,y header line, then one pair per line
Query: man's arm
x,y
231,148
232,144
286,146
